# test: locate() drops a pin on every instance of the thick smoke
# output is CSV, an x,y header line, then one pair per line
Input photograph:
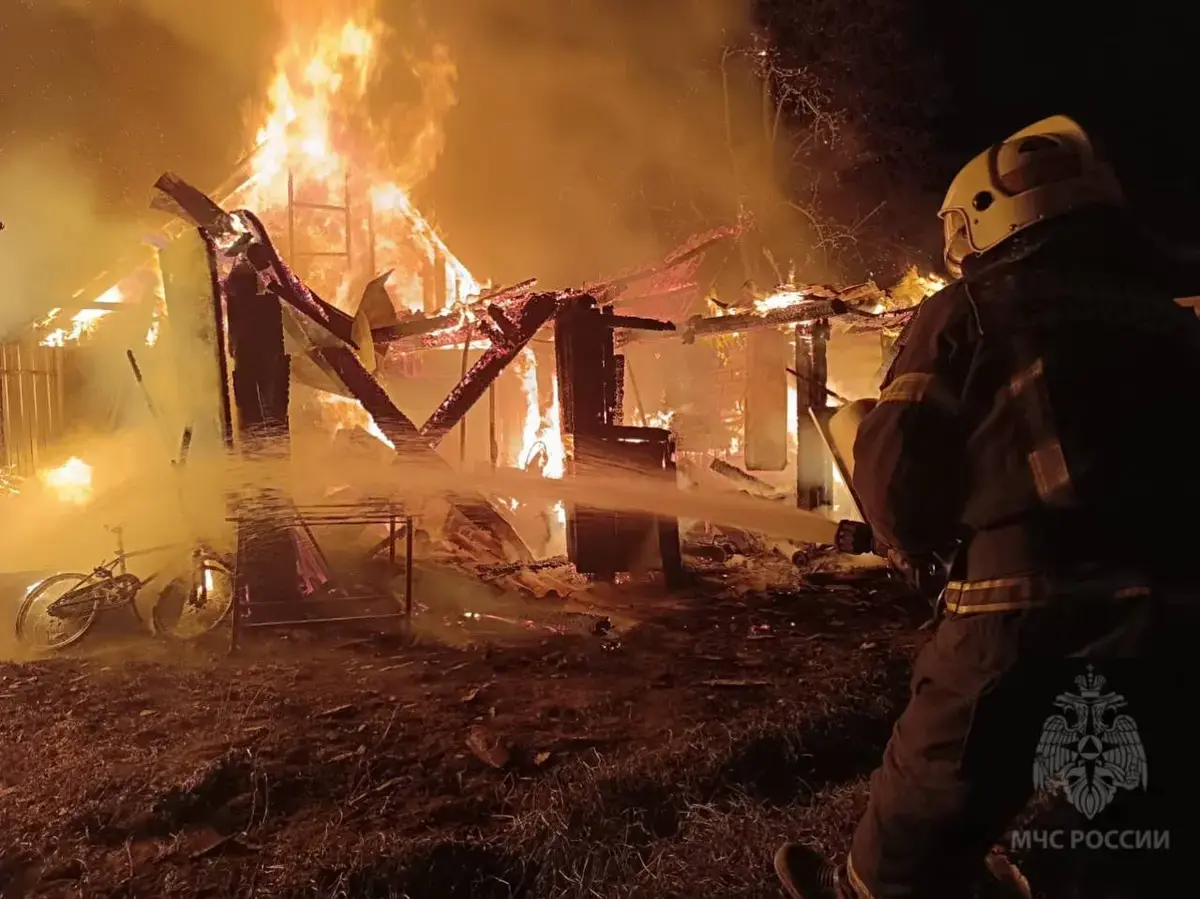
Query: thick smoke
x,y
598,134
51,209
101,97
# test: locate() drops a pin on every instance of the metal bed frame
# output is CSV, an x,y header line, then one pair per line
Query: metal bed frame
x,y
288,516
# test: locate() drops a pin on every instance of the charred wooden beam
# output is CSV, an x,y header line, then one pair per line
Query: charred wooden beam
x,y
616,412
638,323
750,321
416,326
509,329
609,367
267,556
395,425
453,329
746,481
608,289
733,324
581,344
404,435
525,320
590,378
180,198
283,283
823,303
261,368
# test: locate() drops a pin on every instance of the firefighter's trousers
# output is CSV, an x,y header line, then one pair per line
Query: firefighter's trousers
x,y
959,765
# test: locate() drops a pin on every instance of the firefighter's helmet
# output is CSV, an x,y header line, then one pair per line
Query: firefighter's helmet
x,y
1043,171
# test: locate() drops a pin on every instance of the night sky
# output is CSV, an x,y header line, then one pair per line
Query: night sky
x,y
548,168
1128,72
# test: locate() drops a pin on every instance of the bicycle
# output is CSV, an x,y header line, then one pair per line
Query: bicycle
x,y
58,611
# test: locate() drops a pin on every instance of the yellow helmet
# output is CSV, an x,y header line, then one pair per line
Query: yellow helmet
x,y
1041,172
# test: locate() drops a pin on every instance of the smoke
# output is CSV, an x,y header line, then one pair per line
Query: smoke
x,y
225,30
590,136
50,209
100,97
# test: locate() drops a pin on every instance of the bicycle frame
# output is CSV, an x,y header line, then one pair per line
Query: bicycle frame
x,y
114,569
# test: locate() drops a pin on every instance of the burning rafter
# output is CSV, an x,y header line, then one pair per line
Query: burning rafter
x,y
509,331
801,305
657,279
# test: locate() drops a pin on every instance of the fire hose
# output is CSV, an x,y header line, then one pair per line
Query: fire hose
x,y
927,575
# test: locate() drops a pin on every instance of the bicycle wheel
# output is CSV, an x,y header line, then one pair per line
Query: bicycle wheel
x,y
43,632
190,607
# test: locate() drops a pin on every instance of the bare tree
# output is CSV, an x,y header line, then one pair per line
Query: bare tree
x,y
848,101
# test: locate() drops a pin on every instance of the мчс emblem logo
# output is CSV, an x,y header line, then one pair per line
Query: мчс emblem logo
x,y
1091,750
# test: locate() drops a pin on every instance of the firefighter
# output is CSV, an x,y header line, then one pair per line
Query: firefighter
x,y
1029,430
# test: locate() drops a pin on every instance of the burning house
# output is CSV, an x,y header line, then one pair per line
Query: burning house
x,y
373,326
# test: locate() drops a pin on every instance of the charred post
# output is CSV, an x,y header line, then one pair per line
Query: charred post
x,y
814,477
616,411
601,542
267,556
580,351
260,365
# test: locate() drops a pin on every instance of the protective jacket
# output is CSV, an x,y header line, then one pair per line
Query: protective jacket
x,y
1039,422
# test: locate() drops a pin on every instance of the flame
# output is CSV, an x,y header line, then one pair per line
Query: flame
x,y
10,482
551,436
541,435
349,195
317,150
526,367
910,290
793,409
83,323
80,324
779,300
347,413
661,419
71,481
317,75
915,287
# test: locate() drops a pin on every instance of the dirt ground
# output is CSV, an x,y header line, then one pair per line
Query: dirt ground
x,y
667,760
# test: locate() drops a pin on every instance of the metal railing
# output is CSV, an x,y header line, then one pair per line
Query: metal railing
x,y
31,404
